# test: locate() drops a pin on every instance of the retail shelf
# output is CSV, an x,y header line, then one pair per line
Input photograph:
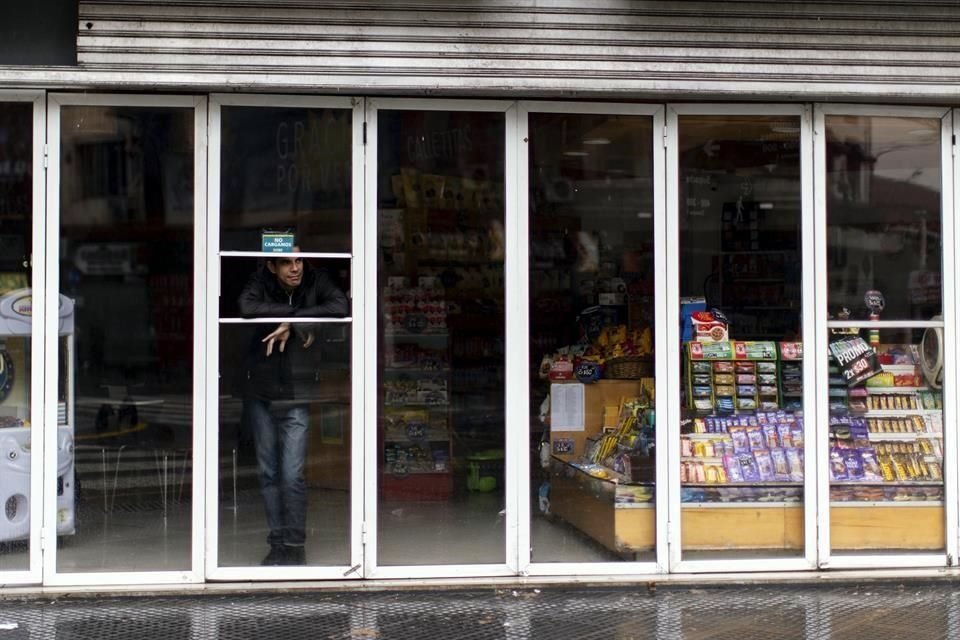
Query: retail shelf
x,y
875,435
881,483
741,505
886,503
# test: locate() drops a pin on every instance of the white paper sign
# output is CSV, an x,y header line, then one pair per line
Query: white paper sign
x,y
566,407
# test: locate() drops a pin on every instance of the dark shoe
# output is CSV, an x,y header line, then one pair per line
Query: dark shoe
x,y
276,557
295,556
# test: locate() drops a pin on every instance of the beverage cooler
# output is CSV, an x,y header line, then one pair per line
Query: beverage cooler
x,y
16,454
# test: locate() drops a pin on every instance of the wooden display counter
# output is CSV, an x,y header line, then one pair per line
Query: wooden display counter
x,y
590,505
912,526
741,526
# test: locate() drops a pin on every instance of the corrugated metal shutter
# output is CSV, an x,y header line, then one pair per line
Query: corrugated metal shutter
x,y
534,46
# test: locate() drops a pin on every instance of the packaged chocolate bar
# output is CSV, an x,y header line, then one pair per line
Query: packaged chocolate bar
x,y
746,390
764,465
746,378
723,366
703,404
766,367
767,378
871,467
748,467
741,443
796,431
853,464
746,404
784,435
838,468
686,447
702,378
767,404
745,367
724,390
756,439
700,367
732,466
795,460
767,390
770,435
702,391
725,405
724,378
781,468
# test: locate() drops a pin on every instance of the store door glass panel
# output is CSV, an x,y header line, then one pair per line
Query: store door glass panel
x,y
285,439
440,367
16,459
591,337
126,339
742,429
884,257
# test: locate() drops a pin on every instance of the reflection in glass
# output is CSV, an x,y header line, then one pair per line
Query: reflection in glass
x,y
126,372
285,168
441,328
884,249
16,214
284,435
742,430
591,306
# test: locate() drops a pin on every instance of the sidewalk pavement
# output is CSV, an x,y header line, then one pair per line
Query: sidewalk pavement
x,y
906,611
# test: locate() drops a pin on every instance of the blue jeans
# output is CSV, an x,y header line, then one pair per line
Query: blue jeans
x,y
280,436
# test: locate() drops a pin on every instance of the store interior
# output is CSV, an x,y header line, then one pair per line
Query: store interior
x,y
126,343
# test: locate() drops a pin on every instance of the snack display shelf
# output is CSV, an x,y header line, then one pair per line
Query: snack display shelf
x,y
740,505
886,504
881,483
897,413
885,390
907,437
743,485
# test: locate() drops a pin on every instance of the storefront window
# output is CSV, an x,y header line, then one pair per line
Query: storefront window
x,y
884,257
126,345
591,337
285,403
16,458
742,427
441,318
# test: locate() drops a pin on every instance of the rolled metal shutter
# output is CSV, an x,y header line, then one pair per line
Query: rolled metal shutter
x,y
535,47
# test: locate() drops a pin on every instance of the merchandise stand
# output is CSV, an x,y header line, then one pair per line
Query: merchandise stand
x,y
614,508
16,456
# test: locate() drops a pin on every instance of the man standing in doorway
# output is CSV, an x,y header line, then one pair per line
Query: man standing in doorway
x,y
280,380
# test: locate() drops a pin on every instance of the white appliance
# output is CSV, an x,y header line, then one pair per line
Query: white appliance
x,y
931,355
16,455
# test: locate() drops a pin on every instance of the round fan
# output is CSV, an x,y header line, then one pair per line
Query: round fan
x,y
931,355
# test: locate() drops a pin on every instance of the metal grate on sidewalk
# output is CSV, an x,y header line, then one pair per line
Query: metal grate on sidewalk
x,y
891,612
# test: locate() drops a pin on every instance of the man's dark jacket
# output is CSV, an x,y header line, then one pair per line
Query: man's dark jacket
x,y
292,374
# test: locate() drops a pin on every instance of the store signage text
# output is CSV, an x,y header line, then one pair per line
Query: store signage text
x,y
309,155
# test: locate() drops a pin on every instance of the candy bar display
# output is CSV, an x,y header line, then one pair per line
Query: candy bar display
x,y
886,434
732,377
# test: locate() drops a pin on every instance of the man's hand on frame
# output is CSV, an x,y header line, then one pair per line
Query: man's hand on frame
x,y
278,336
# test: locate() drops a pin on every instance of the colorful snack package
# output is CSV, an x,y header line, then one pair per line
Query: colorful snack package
x,y
746,390
781,468
725,405
766,367
871,466
764,465
745,367
686,448
700,367
723,366
748,467
702,378
755,437
838,468
702,391
732,465
723,378
746,404
767,405
797,432
853,464
767,378
795,460
741,443
784,435
770,435
702,404
746,378
725,390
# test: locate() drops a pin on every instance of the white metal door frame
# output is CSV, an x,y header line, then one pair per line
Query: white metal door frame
x,y
51,254
212,383
521,285
34,572
516,366
807,560
827,559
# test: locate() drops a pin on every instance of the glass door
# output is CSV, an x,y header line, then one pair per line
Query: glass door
x,y
21,415
884,196
438,382
124,224
593,191
284,449
741,433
